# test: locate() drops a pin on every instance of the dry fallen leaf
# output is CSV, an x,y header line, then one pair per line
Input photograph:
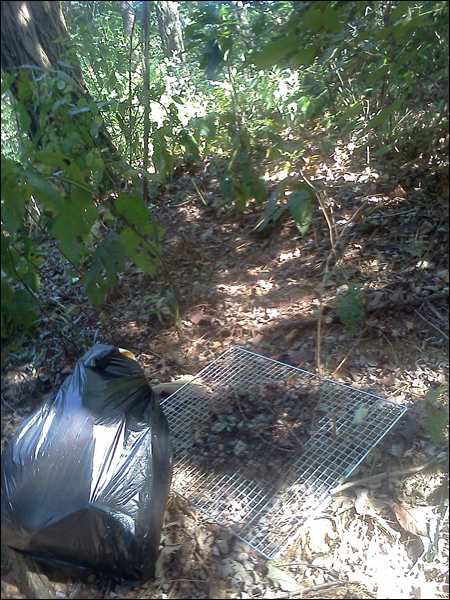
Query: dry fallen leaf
x,y
375,300
281,579
412,519
387,381
360,414
199,318
298,358
183,557
166,389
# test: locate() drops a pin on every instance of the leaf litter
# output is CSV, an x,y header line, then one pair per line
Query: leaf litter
x,y
244,288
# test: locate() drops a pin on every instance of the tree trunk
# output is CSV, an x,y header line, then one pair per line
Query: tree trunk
x,y
35,34
128,17
169,26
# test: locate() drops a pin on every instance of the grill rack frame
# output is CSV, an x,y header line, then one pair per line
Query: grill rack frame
x,y
268,516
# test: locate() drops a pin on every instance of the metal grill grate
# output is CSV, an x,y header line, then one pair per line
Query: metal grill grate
x,y
267,514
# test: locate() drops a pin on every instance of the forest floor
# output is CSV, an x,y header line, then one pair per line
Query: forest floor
x,y
383,537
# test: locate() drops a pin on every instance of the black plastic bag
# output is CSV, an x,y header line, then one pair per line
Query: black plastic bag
x,y
85,479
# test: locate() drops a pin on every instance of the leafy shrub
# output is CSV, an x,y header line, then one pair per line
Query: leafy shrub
x,y
351,308
437,414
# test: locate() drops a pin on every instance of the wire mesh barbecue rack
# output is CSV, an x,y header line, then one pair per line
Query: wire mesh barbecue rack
x,y
268,512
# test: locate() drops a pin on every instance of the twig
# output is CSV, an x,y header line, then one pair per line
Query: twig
x,y
315,588
324,279
430,323
392,347
349,352
322,205
410,471
8,405
439,316
198,192
409,301
334,245
308,321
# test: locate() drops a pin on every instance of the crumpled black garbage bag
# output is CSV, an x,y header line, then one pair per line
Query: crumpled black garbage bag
x,y
85,479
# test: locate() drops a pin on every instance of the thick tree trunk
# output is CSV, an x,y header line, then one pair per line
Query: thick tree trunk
x,y
170,28
34,34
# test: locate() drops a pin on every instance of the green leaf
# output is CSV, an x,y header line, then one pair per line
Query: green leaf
x,y
271,211
97,122
365,35
132,206
353,110
242,198
10,257
433,394
351,308
13,209
57,160
85,201
73,223
383,115
383,33
378,74
382,151
351,126
70,224
401,8
437,416
245,169
300,207
206,126
108,260
314,19
43,189
258,189
404,30
139,252
67,78
24,119
32,280
360,415
93,108
23,309
275,51
437,419
334,19
7,295
190,144
27,245
304,58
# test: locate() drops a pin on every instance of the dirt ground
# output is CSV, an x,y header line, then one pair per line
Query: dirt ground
x,y
385,535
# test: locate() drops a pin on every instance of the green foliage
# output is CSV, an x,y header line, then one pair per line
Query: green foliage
x,y
290,197
257,76
108,260
351,308
437,414
54,191
300,205
163,307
